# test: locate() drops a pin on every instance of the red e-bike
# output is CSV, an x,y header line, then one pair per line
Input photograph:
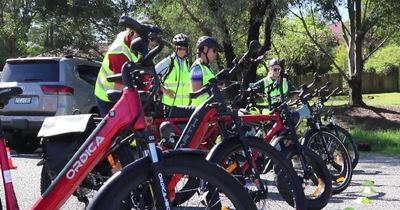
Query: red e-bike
x,y
144,183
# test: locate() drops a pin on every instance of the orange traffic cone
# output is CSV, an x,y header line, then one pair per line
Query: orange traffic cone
x,y
10,163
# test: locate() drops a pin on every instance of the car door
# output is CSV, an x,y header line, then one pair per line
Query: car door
x,y
85,83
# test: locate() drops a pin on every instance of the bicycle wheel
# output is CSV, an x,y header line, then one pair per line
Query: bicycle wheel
x,y
134,185
316,180
337,158
283,189
348,141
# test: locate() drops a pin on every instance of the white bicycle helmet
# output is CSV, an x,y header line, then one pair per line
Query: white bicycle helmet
x,y
180,40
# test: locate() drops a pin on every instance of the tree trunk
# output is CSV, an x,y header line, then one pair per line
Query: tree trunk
x,y
355,92
355,82
257,13
224,30
51,36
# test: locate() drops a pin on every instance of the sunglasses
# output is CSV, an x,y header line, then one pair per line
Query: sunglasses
x,y
181,48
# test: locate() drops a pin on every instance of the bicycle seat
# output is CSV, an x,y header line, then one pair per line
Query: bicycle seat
x,y
7,92
114,95
181,111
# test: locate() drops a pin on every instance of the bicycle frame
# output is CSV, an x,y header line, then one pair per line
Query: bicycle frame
x,y
204,141
126,115
98,145
5,168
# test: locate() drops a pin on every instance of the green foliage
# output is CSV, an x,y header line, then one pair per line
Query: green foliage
x,y
196,18
386,59
302,55
341,57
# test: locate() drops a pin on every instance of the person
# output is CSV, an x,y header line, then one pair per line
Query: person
x,y
174,72
200,72
117,54
273,77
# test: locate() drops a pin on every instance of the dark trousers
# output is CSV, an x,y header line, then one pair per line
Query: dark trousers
x,y
104,106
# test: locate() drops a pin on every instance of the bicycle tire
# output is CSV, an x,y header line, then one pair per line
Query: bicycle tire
x,y
283,185
340,166
348,141
311,185
139,173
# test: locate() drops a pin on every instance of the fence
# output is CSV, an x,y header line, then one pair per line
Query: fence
x,y
371,82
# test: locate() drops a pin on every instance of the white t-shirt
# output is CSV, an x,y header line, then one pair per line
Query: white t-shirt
x,y
163,65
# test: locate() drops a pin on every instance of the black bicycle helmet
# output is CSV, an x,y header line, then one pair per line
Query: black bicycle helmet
x,y
180,40
208,41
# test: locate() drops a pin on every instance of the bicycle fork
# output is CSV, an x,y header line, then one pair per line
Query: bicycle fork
x,y
160,186
250,157
324,143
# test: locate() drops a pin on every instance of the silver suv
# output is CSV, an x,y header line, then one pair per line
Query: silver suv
x,y
51,86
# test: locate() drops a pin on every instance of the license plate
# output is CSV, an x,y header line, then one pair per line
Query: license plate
x,y
23,100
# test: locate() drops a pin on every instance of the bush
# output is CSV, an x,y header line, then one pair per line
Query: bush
x,y
384,60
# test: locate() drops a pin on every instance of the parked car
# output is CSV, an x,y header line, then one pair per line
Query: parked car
x,y
51,86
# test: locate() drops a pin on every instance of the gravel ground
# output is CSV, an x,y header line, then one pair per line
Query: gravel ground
x,y
383,170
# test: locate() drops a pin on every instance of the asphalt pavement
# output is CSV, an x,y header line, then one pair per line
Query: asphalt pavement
x,y
375,184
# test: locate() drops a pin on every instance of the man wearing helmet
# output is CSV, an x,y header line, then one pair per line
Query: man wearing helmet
x,y
174,72
273,76
200,72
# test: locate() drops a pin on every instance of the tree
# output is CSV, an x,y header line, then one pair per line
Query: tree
x,y
291,42
15,20
366,19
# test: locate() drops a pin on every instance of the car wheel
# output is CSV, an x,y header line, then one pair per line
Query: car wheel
x,y
23,143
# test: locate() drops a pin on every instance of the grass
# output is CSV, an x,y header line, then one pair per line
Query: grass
x,y
381,141
373,99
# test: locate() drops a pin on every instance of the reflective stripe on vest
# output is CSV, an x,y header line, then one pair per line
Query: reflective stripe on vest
x,y
207,74
276,92
177,80
117,47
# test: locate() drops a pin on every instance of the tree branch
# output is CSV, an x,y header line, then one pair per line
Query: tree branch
x,y
200,23
100,55
224,30
345,30
366,4
376,48
341,71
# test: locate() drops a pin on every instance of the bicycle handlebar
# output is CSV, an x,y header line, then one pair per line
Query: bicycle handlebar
x,y
254,46
199,92
305,87
142,29
333,93
224,75
141,45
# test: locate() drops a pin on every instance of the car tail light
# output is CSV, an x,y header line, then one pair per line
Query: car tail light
x,y
57,90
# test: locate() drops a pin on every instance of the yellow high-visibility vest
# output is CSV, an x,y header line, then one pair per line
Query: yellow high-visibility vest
x,y
117,47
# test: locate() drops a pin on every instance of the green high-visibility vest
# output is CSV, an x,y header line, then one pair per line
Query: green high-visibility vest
x,y
117,47
178,80
276,92
207,75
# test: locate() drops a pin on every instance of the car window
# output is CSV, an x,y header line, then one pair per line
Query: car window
x,y
88,73
31,71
